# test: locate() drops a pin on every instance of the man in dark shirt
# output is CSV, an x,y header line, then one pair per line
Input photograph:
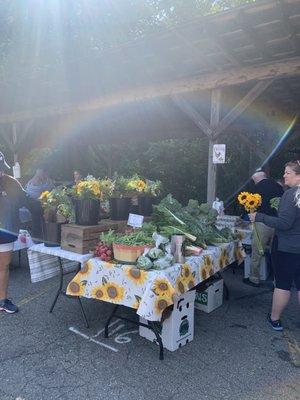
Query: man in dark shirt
x,y
268,189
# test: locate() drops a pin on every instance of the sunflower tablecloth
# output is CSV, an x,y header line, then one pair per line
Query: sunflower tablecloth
x,y
150,292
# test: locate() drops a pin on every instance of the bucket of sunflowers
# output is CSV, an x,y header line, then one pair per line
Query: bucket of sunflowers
x,y
86,195
147,197
58,210
120,200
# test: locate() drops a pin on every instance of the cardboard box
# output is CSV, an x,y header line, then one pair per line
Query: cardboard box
x,y
264,270
210,298
178,329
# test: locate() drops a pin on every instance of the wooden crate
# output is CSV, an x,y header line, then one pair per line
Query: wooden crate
x,y
82,239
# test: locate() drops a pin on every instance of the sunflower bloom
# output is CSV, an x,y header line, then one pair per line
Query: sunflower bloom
x,y
86,269
76,288
223,259
242,197
44,195
114,292
181,285
99,292
186,271
162,287
161,303
138,276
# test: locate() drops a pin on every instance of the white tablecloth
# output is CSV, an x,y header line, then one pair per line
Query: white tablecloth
x,y
150,292
43,261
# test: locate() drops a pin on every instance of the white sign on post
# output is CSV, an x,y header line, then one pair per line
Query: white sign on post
x,y
219,153
135,220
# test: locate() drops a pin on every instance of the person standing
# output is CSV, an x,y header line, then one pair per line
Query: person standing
x,y
39,183
77,176
268,189
286,243
10,193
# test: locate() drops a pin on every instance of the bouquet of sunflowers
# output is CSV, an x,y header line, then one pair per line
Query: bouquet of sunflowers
x,y
251,202
57,205
107,187
88,188
136,185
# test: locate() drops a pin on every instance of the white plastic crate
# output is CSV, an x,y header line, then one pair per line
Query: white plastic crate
x,y
178,329
210,298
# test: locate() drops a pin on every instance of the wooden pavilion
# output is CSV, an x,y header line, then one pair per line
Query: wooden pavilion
x,y
153,87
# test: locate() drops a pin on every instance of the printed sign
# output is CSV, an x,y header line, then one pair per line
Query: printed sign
x,y
135,220
202,298
219,153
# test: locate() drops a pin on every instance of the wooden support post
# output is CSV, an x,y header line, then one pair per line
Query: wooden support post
x,y
212,168
14,141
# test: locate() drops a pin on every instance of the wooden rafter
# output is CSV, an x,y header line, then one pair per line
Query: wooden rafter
x,y
252,95
254,36
194,115
221,44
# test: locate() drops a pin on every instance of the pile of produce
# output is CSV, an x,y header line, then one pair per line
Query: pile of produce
x,y
103,251
196,222
159,257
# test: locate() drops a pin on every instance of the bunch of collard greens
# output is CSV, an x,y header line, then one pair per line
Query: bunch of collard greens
x,y
196,222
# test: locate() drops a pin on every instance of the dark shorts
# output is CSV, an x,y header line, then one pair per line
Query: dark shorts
x,y
286,269
7,237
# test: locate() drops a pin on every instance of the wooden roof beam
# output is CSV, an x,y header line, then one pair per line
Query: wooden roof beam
x,y
194,115
252,95
205,81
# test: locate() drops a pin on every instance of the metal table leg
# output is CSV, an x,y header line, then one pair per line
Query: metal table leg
x,y
61,291
109,319
61,277
151,325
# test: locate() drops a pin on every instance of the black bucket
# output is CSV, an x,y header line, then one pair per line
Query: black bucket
x,y
119,208
52,234
87,211
145,206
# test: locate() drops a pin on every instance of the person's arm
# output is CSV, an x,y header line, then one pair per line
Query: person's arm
x,y
286,214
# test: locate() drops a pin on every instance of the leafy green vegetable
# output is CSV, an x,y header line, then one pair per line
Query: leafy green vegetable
x,y
144,263
155,253
136,238
196,222
108,237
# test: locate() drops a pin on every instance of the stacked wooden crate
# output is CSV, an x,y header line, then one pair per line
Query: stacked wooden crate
x,y
83,239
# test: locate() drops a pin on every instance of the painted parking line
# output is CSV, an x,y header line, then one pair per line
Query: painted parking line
x,y
102,330
293,347
91,339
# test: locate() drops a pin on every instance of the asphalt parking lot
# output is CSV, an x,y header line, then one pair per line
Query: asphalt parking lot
x,y
234,354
